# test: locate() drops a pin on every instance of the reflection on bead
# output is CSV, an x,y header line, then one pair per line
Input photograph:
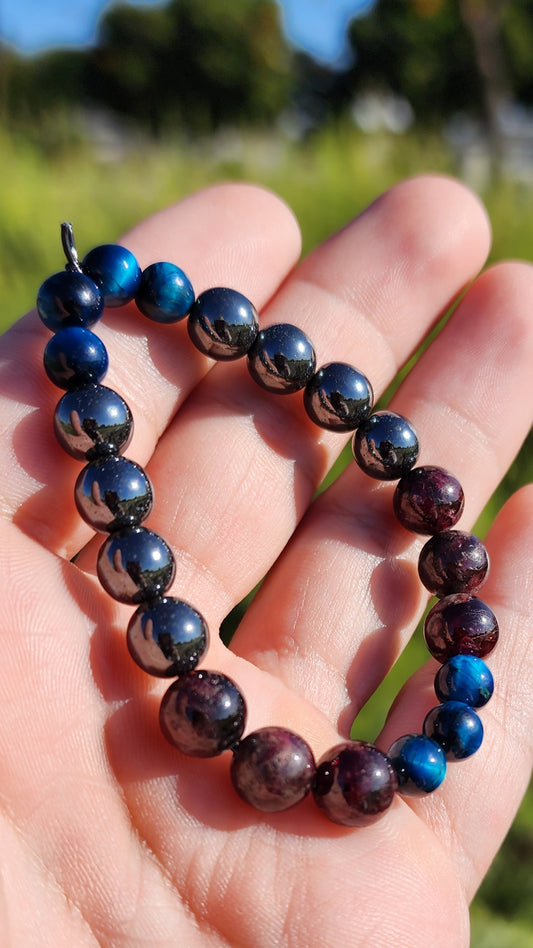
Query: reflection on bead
x,y
222,323
419,762
462,625
74,357
203,714
115,271
464,678
453,562
428,499
338,397
69,298
385,445
456,727
167,637
113,493
282,359
92,422
272,769
354,784
165,293
135,565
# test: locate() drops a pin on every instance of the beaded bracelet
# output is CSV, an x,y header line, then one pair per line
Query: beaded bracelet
x,y
203,713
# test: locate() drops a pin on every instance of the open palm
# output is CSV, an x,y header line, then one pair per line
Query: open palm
x,y
108,836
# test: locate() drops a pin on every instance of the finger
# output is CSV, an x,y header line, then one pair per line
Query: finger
x,y
473,809
234,235
335,649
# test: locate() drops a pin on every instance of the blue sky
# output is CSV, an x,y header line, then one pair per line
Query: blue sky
x,y
318,26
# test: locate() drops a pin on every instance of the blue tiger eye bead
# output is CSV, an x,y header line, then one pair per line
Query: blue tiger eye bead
x,y
135,565
165,293
464,678
385,446
74,357
115,271
338,397
203,714
113,493
91,422
456,727
419,762
167,637
222,323
69,298
282,359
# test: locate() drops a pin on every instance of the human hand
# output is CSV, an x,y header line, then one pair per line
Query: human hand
x,y
109,835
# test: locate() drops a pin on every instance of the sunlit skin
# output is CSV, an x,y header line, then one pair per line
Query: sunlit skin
x,y
108,835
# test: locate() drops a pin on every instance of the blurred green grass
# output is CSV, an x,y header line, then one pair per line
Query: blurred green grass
x,y
326,180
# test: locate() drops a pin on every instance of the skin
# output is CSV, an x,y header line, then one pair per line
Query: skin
x,y
108,836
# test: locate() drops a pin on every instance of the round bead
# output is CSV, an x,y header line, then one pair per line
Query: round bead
x,y
338,397
282,359
113,493
165,293
428,500
456,727
460,625
354,783
115,270
464,678
167,637
272,769
75,357
419,762
385,445
222,323
69,298
453,562
135,565
93,421
203,714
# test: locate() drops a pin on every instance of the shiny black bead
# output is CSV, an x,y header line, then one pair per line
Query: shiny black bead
x,y
338,397
167,637
203,714
222,323
282,359
69,298
74,357
385,446
135,565
93,421
113,493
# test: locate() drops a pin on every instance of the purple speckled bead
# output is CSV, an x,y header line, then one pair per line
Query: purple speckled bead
x,y
272,769
202,714
354,783
460,625
428,499
453,562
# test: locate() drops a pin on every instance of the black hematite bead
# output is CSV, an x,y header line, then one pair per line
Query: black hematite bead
x,y
167,637
453,562
113,493
93,421
203,714
338,397
385,446
354,783
460,625
428,499
135,565
222,323
282,359
272,769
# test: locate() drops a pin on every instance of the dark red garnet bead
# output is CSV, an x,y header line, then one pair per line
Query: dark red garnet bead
x,y
460,625
203,714
354,783
272,769
428,499
453,562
